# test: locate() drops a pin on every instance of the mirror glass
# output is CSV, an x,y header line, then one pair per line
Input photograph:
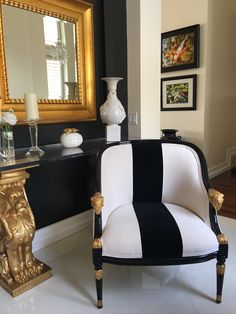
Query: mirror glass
x,y
46,60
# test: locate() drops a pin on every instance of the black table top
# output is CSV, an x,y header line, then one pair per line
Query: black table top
x,y
52,152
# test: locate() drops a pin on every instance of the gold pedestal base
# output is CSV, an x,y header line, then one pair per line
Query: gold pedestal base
x,y
16,289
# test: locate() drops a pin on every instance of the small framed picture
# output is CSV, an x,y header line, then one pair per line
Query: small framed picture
x,y
180,49
178,93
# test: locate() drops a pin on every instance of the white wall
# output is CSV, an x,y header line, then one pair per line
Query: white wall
x,y
178,14
143,33
220,126
133,51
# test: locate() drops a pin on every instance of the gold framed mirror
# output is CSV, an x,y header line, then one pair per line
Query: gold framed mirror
x,y
47,47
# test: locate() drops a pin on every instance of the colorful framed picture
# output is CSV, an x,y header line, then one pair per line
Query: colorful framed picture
x,y
180,49
178,93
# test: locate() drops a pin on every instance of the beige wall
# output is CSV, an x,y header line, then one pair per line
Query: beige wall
x,y
220,125
212,126
177,14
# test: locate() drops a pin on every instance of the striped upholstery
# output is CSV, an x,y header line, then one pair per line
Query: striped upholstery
x,y
155,202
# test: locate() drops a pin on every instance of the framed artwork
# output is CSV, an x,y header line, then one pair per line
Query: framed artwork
x,y
180,49
178,93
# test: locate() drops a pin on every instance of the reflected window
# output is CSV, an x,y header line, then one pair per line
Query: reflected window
x,y
56,57
50,30
54,79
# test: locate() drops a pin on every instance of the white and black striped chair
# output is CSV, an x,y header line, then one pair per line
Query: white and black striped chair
x,y
156,192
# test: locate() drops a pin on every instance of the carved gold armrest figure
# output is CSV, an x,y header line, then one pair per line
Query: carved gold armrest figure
x,y
97,202
215,198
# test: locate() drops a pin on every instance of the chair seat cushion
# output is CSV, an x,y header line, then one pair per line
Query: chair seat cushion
x,y
156,230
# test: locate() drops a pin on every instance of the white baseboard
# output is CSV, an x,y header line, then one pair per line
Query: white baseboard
x,y
217,170
61,229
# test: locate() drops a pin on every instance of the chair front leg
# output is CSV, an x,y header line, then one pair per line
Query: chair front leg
x,y
97,204
220,266
216,199
97,260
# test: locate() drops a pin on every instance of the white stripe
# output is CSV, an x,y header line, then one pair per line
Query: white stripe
x,y
182,180
198,239
121,235
116,178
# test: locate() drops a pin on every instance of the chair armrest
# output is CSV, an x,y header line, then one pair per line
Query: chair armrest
x,y
215,198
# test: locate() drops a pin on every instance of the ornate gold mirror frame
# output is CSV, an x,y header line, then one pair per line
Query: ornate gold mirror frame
x,y
57,110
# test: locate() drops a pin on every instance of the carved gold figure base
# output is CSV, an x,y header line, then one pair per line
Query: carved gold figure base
x,y
16,289
19,269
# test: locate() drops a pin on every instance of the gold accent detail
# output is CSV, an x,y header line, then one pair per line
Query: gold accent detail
x,y
216,198
16,289
80,13
18,266
99,304
97,202
70,130
218,298
222,239
99,274
220,269
97,244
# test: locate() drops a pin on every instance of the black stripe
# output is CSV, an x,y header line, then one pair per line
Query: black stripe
x,y
147,171
160,235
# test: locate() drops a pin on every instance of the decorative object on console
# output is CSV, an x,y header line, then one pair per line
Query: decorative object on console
x,y
169,134
32,118
112,112
7,120
71,138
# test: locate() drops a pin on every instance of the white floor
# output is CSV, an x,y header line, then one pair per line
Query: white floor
x,y
188,289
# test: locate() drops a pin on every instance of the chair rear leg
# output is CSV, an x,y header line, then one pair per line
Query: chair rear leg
x,y
99,279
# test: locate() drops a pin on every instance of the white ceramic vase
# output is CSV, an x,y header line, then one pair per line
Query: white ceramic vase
x,y
112,112
71,138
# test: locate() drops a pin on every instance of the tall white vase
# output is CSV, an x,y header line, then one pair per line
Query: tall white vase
x,y
112,112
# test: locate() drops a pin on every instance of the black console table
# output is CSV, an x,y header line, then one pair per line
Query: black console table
x,y
53,152
19,270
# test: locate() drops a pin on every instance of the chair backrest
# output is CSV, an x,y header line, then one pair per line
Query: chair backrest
x,y
154,171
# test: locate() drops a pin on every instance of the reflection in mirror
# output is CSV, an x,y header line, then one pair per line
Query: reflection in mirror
x,y
46,60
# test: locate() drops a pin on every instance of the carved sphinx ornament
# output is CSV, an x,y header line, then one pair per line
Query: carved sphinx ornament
x,y
17,228
216,198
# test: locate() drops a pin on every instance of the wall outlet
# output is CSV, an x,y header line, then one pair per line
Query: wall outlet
x,y
133,118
